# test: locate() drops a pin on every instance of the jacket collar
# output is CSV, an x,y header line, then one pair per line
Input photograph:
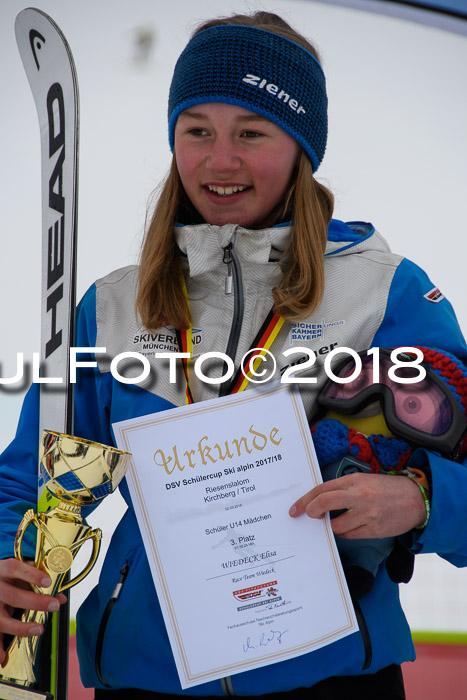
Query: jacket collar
x,y
204,244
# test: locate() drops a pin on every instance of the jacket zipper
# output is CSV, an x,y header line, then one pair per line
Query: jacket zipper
x,y
105,618
226,685
233,283
365,634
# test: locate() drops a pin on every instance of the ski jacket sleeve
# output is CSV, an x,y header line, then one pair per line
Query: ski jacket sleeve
x,y
412,319
19,461
18,478
446,531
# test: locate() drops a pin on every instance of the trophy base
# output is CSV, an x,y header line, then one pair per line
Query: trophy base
x,y
8,691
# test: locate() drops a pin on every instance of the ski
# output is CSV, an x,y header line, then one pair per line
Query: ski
x,y
51,72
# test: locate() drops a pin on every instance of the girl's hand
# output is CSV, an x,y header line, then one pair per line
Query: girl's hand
x,y
377,505
15,592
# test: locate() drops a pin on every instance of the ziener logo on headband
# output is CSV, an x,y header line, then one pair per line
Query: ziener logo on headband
x,y
281,95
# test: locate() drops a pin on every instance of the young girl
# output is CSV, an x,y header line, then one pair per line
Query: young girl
x,y
243,236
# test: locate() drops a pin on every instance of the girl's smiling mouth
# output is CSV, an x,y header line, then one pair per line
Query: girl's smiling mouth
x,y
227,190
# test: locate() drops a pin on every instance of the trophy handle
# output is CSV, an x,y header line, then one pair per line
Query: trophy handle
x,y
28,519
96,536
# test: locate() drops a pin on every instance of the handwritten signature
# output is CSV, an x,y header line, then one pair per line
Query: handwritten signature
x,y
271,606
265,639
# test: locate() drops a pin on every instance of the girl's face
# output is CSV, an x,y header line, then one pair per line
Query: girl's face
x,y
235,165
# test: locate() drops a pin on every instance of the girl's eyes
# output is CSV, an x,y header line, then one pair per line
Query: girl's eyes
x,y
200,131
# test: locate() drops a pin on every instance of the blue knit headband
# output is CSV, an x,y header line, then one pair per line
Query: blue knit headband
x,y
260,71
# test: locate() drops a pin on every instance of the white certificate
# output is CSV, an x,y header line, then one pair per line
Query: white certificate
x,y
241,583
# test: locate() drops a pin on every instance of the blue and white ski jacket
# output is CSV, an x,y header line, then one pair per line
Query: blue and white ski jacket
x,y
372,298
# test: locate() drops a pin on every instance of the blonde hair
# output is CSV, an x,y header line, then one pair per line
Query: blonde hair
x,y
307,203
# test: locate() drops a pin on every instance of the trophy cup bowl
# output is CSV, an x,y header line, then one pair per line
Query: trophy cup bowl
x,y
79,473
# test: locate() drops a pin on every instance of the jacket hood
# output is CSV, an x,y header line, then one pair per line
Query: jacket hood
x,y
203,242
353,237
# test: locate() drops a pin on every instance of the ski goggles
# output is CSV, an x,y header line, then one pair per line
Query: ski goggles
x,y
425,412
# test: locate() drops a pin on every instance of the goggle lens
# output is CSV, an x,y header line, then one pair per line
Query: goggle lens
x,y
421,405
424,408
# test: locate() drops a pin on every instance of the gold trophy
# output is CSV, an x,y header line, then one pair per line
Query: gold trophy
x,y
79,473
